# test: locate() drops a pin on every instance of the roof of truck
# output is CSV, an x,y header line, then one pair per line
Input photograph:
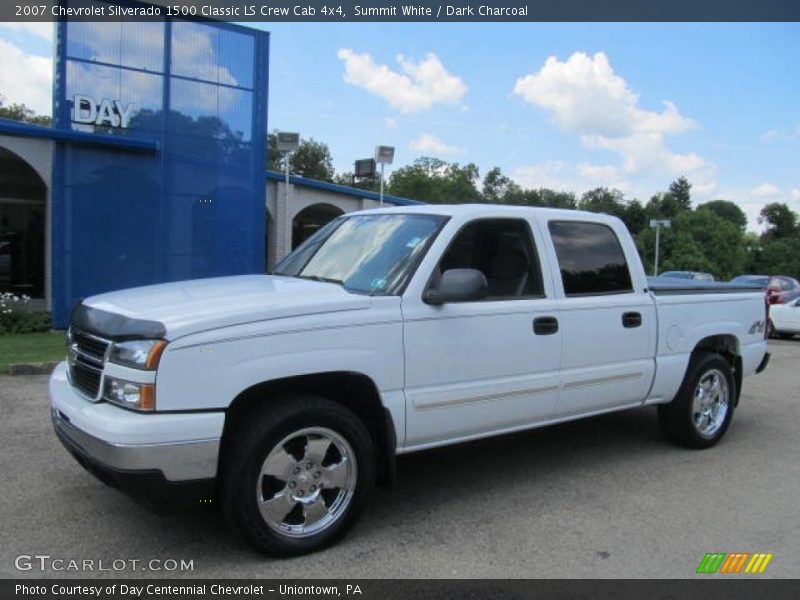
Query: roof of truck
x,y
478,210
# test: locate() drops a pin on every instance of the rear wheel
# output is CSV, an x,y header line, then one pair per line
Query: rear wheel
x,y
702,410
298,476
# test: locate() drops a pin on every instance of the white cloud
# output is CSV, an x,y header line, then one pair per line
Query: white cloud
x,y
43,30
766,190
584,96
431,144
26,78
796,194
418,87
784,135
390,123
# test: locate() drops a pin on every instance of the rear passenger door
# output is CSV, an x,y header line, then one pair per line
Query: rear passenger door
x,y
608,326
477,367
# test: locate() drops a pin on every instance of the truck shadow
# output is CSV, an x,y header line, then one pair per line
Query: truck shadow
x,y
442,481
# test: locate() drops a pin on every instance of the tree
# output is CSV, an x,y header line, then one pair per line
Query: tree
x,y
499,188
699,240
728,211
635,217
603,200
781,221
680,190
670,204
347,178
312,159
20,112
436,181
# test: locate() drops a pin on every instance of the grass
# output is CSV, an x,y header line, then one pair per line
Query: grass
x,y
31,347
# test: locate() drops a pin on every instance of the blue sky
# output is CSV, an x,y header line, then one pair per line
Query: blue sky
x,y
568,106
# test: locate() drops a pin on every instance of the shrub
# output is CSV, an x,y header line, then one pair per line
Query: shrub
x,y
15,317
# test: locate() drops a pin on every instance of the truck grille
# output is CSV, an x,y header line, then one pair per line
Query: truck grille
x,y
86,354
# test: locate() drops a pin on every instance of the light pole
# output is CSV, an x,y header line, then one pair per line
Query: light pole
x,y
287,143
384,155
657,224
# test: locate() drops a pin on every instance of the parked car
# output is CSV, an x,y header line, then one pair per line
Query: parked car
x,y
779,288
786,318
285,397
694,275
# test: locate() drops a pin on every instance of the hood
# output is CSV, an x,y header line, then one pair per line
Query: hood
x,y
172,310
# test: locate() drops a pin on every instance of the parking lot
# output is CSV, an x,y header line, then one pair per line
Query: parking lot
x,y
606,497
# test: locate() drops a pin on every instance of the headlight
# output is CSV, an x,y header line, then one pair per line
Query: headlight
x,y
139,354
138,396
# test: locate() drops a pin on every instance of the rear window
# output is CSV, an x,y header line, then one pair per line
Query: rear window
x,y
590,258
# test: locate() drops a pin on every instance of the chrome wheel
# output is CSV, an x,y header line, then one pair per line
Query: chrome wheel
x,y
306,482
710,402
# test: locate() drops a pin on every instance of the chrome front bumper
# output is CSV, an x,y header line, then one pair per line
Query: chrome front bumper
x,y
181,461
179,446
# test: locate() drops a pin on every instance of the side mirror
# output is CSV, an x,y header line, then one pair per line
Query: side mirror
x,y
458,285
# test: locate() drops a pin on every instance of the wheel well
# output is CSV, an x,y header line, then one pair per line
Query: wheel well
x,y
726,346
356,391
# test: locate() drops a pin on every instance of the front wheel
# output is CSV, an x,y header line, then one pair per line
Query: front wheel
x,y
702,410
298,475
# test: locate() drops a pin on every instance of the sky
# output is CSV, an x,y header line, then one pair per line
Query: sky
x,y
565,106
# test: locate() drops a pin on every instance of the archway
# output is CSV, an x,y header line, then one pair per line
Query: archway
x,y
309,220
23,200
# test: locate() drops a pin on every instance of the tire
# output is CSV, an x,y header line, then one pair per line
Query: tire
x,y
770,329
298,475
702,410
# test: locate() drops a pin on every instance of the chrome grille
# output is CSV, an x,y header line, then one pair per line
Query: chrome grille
x,y
86,354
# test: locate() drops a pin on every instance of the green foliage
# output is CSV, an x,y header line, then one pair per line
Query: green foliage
x,y
728,211
15,317
781,221
436,181
20,112
311,159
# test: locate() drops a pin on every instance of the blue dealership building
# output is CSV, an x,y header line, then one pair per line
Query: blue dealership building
x,y
154,167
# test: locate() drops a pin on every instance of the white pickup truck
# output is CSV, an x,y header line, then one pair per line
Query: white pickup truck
x,y
285,397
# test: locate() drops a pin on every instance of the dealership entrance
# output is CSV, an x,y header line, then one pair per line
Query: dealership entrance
x,y
23,226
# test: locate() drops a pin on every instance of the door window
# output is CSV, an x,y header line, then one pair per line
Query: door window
x,y
503,251
590,258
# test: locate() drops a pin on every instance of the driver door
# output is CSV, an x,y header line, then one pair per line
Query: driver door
x,y
478,367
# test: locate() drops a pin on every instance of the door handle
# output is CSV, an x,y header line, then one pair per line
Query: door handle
x,y
631,319
545,325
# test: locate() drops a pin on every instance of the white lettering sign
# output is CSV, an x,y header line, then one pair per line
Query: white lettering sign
x,y
112,113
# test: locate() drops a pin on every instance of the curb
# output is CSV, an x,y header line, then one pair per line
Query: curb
x,y
42,368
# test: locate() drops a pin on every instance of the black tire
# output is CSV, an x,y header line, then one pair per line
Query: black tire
x,y
678,418
242,482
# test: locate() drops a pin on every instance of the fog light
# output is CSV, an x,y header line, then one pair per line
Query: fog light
x,y
137,396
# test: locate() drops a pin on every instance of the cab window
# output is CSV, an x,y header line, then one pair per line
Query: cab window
x,y
502,249
590,258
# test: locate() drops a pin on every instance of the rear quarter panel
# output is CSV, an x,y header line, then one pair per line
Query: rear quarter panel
x,y
686,319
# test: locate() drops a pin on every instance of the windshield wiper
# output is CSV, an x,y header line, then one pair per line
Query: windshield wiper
x,y
320,278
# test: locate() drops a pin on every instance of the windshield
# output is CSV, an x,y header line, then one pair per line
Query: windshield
x,y
370,254
751,280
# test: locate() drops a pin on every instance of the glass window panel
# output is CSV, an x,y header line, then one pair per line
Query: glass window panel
x,y
194,50
141,90
236,51
590,258
142,46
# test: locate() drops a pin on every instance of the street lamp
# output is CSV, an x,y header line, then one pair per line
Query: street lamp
x,y
287,142
657,224
384,155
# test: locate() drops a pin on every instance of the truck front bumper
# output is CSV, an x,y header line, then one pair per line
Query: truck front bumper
x,y
162,458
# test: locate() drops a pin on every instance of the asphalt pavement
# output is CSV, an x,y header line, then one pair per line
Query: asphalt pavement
x,y
603,497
